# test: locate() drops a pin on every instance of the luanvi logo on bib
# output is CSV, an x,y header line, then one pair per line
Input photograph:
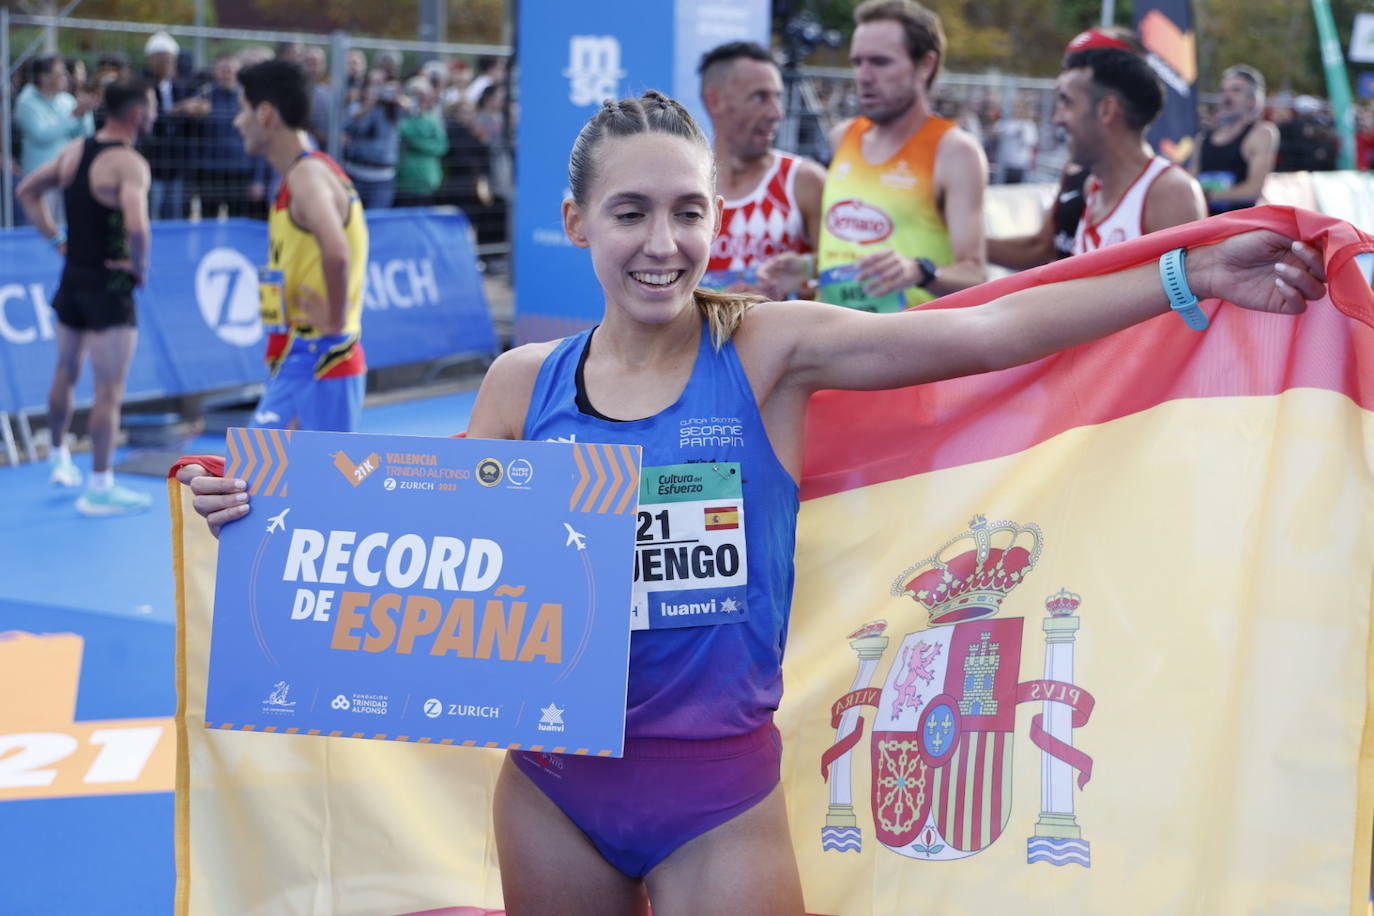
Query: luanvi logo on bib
x,y
859,222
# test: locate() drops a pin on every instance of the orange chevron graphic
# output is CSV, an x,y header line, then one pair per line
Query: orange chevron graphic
x,y
280,438
260,440
616,478
242,459
1170,44
630,457
598,476
582,477
235,460
259,457
608,475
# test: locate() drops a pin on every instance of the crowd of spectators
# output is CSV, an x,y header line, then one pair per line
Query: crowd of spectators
x,y
435,133
1022,145
439,132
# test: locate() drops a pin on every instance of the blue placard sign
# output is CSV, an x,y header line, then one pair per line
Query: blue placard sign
x,y
451,591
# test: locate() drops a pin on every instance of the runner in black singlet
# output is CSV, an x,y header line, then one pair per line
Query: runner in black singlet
x,y
104,183
1233,161
93,297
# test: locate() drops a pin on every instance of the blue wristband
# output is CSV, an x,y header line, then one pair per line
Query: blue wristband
x,y
1181,298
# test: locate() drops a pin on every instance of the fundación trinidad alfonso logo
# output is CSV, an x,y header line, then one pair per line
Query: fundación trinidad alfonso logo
x,y
945,715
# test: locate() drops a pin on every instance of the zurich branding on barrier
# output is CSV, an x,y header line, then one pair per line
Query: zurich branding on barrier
x,y
199,326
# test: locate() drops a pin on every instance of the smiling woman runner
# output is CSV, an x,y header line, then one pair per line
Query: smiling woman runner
x,y
692,817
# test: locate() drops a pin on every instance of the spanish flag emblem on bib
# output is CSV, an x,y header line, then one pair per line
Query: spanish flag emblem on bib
x,y
718,518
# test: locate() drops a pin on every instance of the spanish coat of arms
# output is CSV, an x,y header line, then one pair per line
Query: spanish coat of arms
x,y
943,719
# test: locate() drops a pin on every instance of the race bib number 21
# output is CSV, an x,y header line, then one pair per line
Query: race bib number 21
x,y
691,566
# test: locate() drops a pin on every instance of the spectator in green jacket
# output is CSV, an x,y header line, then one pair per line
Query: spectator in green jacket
x,y
423,144
47,116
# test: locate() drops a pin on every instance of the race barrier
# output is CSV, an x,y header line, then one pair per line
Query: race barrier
x,y
1018,209
199,328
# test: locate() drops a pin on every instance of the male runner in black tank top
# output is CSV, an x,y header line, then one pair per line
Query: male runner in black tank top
x,y
104,183
1232,161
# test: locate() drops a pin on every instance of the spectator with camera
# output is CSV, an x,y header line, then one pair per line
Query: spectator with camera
x,y
372,141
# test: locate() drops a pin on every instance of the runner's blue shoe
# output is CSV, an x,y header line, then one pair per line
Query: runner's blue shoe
x,y
116,500
63,472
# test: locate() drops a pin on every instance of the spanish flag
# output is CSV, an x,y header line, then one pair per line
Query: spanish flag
x,y
1087,636
719,518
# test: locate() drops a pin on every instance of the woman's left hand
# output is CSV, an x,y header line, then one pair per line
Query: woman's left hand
x,y
1259,270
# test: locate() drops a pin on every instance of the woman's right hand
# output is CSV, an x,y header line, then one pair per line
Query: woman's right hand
x,y
219,500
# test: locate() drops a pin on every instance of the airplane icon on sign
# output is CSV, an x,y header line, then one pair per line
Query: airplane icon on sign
x,y
278,522
574,538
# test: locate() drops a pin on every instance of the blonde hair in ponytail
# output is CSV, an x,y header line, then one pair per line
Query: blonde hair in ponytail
x,y
723,311
655,112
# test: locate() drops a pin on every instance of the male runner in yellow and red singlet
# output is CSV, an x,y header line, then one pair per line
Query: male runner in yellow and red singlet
x,y
902,213
312,286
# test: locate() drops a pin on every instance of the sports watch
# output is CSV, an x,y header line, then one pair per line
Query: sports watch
x,y
928,269
1174,276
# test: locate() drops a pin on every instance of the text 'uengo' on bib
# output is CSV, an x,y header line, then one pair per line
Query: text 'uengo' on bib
x,y
691,565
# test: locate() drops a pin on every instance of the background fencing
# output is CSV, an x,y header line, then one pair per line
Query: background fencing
x,y
368,85
366,94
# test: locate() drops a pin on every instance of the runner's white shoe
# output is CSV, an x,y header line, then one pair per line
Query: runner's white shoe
x,y
64,472
116,500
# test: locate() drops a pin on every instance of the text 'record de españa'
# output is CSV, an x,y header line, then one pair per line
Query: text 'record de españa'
x,y
457,591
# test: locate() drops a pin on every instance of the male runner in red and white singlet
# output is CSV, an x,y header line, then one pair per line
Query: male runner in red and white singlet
x,y
772,198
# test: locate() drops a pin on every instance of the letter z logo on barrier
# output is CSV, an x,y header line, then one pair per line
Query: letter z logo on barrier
x,y
227,295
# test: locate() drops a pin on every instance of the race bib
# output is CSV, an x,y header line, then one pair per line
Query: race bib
x,y
272,299
691,563
839,286
1212,182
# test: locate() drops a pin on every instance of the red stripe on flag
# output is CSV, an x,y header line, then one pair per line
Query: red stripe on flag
x,y
995,820
959,839
943,820
890,435
979,763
